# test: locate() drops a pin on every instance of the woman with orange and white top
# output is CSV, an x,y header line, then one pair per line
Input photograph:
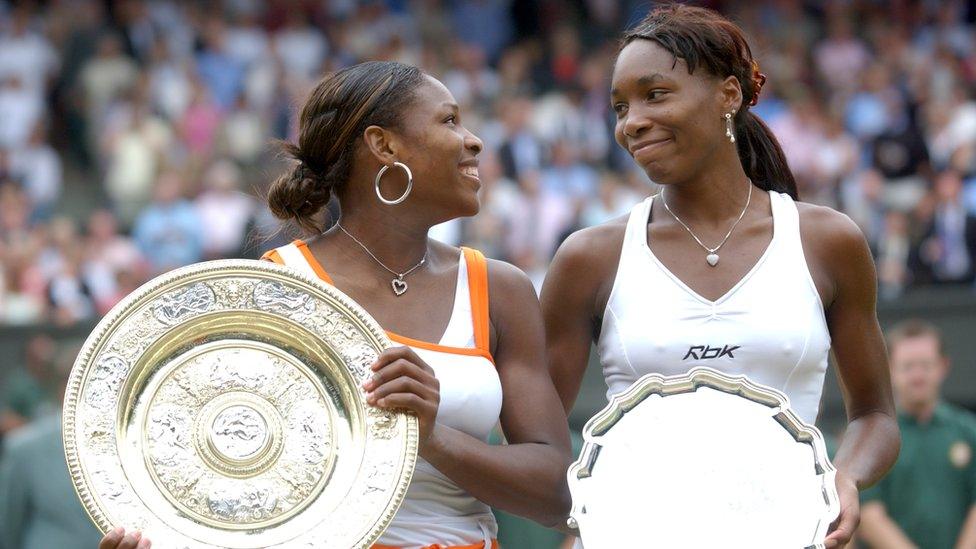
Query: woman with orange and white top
x,y
386,140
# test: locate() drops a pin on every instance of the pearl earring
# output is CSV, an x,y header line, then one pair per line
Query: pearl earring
x,y
729,129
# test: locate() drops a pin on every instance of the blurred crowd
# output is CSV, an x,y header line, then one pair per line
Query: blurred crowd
x,y
136,136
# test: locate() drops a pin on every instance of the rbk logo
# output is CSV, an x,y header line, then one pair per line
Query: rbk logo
x,y
706,352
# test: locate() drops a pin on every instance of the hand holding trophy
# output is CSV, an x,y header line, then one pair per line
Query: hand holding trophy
x,y
222,405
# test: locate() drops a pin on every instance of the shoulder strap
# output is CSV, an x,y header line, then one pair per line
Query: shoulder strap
x,y
635,236
297,256
786,220
478,287
273,256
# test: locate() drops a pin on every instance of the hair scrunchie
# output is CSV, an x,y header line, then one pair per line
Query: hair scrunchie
x,y
758,80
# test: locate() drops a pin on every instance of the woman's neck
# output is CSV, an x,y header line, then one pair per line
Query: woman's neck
x,y
711,197
397,243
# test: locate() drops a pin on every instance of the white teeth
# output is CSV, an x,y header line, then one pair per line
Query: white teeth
x,y
470,170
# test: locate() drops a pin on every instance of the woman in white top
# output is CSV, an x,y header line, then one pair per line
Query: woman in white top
x,y
386,140
722,268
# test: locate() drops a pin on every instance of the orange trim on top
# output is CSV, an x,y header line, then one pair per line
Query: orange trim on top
x,y
474,264
273,256
469,351
479,545
303,247
478,288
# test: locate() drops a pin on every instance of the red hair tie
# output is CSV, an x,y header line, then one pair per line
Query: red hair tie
x,y
758,80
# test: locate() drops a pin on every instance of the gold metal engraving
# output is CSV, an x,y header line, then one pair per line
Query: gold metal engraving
x,y
221,405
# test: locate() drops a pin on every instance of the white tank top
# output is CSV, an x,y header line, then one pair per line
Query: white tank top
x,y
769,327
435,510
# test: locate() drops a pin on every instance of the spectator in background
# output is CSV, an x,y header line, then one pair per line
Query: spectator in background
x,y
472,82
15,211
860,196
38,167
169,80
563,117
952,126
20,111
109,255
928,499
200,123
220,71
300,47
62,261
69,291
25,391
893,253
18,304
836,156
487,23
105,77
244,133
866,113
564,187
224,210
169,231
842,56
614,199
901,155
134,142
520,151
26,53
947,251
38,505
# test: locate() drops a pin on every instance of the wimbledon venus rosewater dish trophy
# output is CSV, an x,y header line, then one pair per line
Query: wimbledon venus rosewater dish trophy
x,y
220,405
701,460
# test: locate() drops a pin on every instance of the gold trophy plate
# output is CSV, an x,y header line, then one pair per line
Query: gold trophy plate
x,y
221,405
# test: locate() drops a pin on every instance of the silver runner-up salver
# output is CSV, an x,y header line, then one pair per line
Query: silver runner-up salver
x,y
221,405
701,460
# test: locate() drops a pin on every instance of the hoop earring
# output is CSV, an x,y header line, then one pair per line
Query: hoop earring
x,y
729,129
406,193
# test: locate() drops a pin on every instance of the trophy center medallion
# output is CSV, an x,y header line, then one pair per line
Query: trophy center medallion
x,y
239,433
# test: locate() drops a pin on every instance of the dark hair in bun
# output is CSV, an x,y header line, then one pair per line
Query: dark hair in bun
x,y
335,115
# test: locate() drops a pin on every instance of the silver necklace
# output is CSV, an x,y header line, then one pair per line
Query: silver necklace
x,y
399,285
712,257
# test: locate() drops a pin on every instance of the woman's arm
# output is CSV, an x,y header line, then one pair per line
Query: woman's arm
x,y
573,296
871,443
527,476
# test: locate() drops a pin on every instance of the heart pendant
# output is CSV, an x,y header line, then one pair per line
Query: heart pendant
x,y
712,259
399,286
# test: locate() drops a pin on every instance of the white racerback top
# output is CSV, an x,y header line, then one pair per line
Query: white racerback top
x,y
769,327
436,511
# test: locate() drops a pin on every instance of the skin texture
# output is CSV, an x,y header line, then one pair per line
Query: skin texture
x,y
681,115
526,476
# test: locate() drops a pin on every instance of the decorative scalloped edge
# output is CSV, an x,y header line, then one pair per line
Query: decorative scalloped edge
x,y
99,336
739,385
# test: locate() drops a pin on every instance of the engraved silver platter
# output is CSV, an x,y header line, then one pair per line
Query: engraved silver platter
x,y
220,405
701,460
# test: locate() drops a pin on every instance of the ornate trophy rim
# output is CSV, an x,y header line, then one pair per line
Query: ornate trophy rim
x,y
406,425
738,385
